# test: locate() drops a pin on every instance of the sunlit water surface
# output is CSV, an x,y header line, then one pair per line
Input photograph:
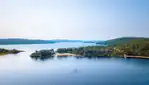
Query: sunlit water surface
x,y
20,69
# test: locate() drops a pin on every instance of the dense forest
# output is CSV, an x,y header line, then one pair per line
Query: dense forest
x,y
122,46
43,54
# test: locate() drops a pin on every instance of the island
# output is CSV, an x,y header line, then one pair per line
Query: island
x,y
6,51
43,54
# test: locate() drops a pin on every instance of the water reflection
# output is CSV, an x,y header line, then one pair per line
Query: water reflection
x,y
137,62
62,57
42,58
87,57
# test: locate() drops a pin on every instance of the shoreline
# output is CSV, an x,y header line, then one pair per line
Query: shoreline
x,y
75,55
8,51
141,57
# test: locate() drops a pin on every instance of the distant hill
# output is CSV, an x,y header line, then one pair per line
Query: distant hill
x,y
124,40
23,41
117,41
31,41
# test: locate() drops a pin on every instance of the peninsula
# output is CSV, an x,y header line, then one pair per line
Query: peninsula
x,y
128,47
6,51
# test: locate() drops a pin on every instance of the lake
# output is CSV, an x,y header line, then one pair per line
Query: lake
x,y
20,69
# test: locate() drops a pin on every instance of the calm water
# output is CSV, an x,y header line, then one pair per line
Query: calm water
x,y
20,69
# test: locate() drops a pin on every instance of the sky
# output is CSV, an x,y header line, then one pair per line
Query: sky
x,y
74,19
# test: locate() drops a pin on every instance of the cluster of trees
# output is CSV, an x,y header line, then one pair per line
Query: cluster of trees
x,y
90,51
43,54
135,49
79,50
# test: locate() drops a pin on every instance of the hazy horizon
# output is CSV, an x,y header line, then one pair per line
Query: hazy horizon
x,y
74,19
76,39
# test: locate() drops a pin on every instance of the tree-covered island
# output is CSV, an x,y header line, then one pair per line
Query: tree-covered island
x,y
43,54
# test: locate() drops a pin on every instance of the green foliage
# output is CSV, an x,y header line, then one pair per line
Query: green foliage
x,y
125,40
117,47
140,48
89,51
43,54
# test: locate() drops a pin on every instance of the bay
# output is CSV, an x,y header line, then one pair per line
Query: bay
x,y
20,69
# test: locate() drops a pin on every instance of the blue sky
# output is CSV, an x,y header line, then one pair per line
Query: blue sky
x,y
74,19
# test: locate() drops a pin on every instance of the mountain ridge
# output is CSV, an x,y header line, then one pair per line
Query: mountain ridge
x,y
124,40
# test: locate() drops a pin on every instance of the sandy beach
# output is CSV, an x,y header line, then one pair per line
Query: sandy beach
x,y
65,54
